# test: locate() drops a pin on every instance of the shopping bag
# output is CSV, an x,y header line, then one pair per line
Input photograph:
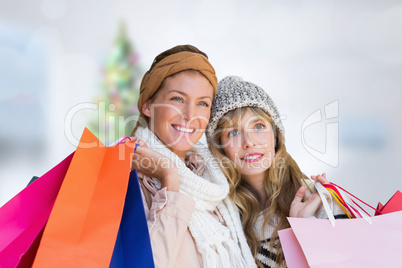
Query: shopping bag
x,y
351,243
133,246
292,250
393,204
83,225
348,243
23,218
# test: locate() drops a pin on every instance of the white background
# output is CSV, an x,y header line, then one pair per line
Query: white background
x,y
305,54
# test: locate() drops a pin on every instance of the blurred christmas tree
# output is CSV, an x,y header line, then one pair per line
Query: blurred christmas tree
x,y
117,105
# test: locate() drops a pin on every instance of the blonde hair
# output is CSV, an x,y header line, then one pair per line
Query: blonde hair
x,y
281,181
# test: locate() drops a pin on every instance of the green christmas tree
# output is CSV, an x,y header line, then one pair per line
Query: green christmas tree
x,y
117,104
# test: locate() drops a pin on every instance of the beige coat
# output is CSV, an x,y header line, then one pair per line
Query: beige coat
x,y
168,215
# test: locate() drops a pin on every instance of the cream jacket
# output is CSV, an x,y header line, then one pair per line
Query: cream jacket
x,y
168,215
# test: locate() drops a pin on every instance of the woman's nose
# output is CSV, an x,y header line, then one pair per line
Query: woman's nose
x,y
188,112
247,140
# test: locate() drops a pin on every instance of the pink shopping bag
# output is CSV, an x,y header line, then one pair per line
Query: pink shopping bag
x,y
351,243
23,218
294,255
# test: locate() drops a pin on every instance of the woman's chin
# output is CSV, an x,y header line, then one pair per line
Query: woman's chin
x,y
182,147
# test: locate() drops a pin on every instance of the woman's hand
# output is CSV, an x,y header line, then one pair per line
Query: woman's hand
x,y
154,164
320,178
306,209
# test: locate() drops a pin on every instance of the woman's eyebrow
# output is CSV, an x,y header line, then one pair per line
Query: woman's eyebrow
x,y
178,91
205,97
257,120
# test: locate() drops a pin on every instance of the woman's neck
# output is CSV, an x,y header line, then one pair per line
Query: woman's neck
x,y
257,183
180,154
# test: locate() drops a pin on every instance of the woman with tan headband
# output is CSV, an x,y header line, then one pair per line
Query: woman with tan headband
x,y
191,221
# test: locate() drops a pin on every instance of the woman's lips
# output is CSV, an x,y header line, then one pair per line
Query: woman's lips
x,y
252,157
182,129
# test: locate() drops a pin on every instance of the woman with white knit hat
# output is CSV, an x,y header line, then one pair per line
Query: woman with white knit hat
x,y
246,135
191,221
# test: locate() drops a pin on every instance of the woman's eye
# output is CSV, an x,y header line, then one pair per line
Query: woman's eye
x,y
179,99
233,133
259,127
203,103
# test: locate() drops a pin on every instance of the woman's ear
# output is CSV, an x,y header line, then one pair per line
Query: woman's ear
x,y
146,109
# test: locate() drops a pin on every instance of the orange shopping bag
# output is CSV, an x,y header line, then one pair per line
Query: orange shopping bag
x,y
83,225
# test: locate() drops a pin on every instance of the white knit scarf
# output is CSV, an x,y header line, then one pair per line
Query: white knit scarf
x,y
218,245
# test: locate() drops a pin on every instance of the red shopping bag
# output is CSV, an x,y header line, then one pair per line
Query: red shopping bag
x,y
23,218
351,243
393,204
83,225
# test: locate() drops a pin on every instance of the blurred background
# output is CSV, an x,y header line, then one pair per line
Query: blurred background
x,y
333,69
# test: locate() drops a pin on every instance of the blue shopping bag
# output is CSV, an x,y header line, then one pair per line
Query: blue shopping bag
x,y
133,246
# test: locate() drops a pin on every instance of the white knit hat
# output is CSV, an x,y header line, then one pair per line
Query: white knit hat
x,y
235,93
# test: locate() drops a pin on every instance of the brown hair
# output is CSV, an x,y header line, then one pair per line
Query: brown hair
x,y
281,182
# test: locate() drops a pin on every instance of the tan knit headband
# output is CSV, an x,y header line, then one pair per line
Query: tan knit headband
x,y
171,65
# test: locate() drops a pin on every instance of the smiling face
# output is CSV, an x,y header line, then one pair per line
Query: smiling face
x,y
250,144
180,110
